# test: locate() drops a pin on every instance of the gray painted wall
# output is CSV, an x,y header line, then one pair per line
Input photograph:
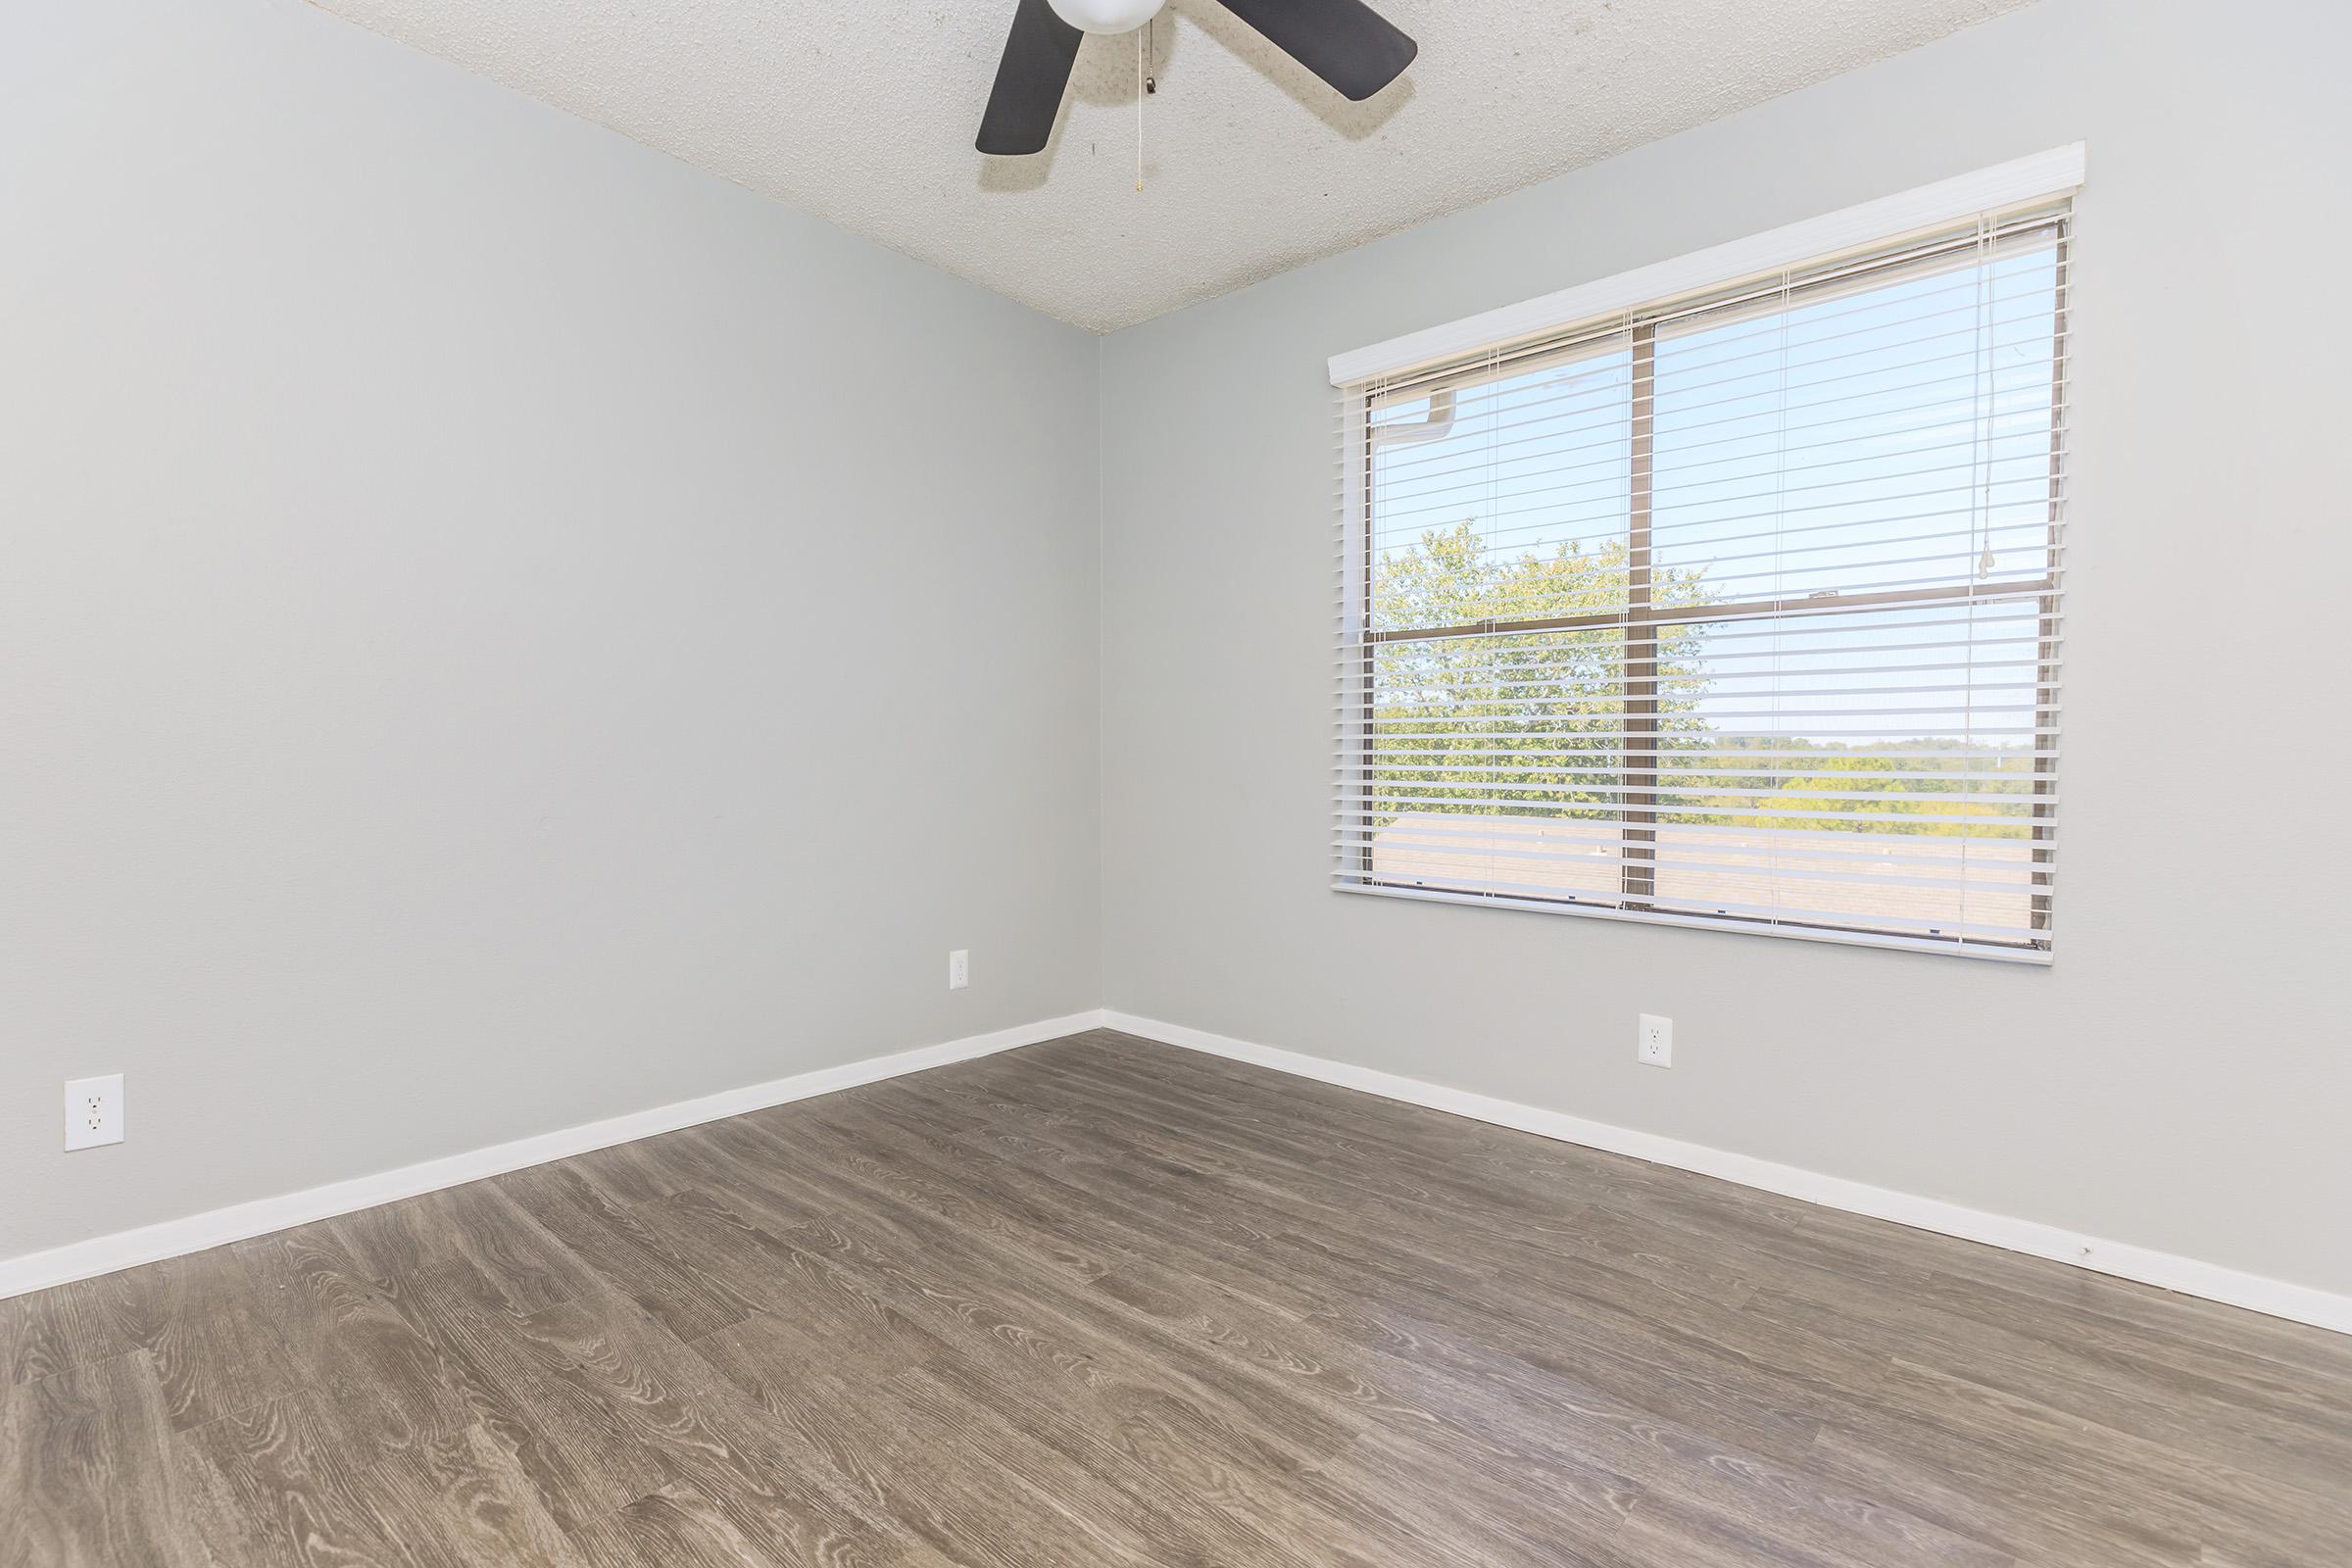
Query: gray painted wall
x,y
497,629
497,632
2181,1079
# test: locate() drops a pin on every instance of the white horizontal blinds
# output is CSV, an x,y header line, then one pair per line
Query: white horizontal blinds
x,y
1742,609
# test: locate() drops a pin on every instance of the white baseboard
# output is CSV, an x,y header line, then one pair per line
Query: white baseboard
x,y
148,1243
2299,1303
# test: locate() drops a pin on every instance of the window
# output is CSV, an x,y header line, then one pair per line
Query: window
x,y
1740,608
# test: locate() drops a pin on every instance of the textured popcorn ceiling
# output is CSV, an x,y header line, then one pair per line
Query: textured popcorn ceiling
x,y
864,113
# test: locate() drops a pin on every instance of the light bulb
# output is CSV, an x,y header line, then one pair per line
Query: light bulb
x,y
1107,16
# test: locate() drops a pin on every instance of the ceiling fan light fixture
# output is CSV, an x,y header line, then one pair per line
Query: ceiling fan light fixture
x,y
1107,16
1350,45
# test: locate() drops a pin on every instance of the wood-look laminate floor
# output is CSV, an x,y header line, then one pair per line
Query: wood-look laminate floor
x,y
1104,1302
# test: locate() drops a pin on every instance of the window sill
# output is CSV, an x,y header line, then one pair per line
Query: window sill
x,y
1937,946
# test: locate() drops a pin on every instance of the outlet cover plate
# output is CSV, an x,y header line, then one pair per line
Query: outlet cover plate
x,y
93,1111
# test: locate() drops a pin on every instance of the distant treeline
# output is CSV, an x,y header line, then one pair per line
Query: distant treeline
x,y
1532,723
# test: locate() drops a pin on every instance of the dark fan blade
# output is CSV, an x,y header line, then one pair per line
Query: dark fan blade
x,y
1029,80
1345,43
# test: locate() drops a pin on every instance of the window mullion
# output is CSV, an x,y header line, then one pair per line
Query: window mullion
x,y
1638,806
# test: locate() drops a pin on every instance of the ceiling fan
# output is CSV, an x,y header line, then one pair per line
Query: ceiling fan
x,y
1345,43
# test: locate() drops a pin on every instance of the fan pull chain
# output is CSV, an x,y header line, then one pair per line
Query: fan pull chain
x,y
1139,109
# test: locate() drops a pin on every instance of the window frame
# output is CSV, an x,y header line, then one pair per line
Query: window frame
x,y
1644,623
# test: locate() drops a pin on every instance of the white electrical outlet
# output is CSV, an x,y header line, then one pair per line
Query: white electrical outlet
x,y
959,969
1654,1043
94,1112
